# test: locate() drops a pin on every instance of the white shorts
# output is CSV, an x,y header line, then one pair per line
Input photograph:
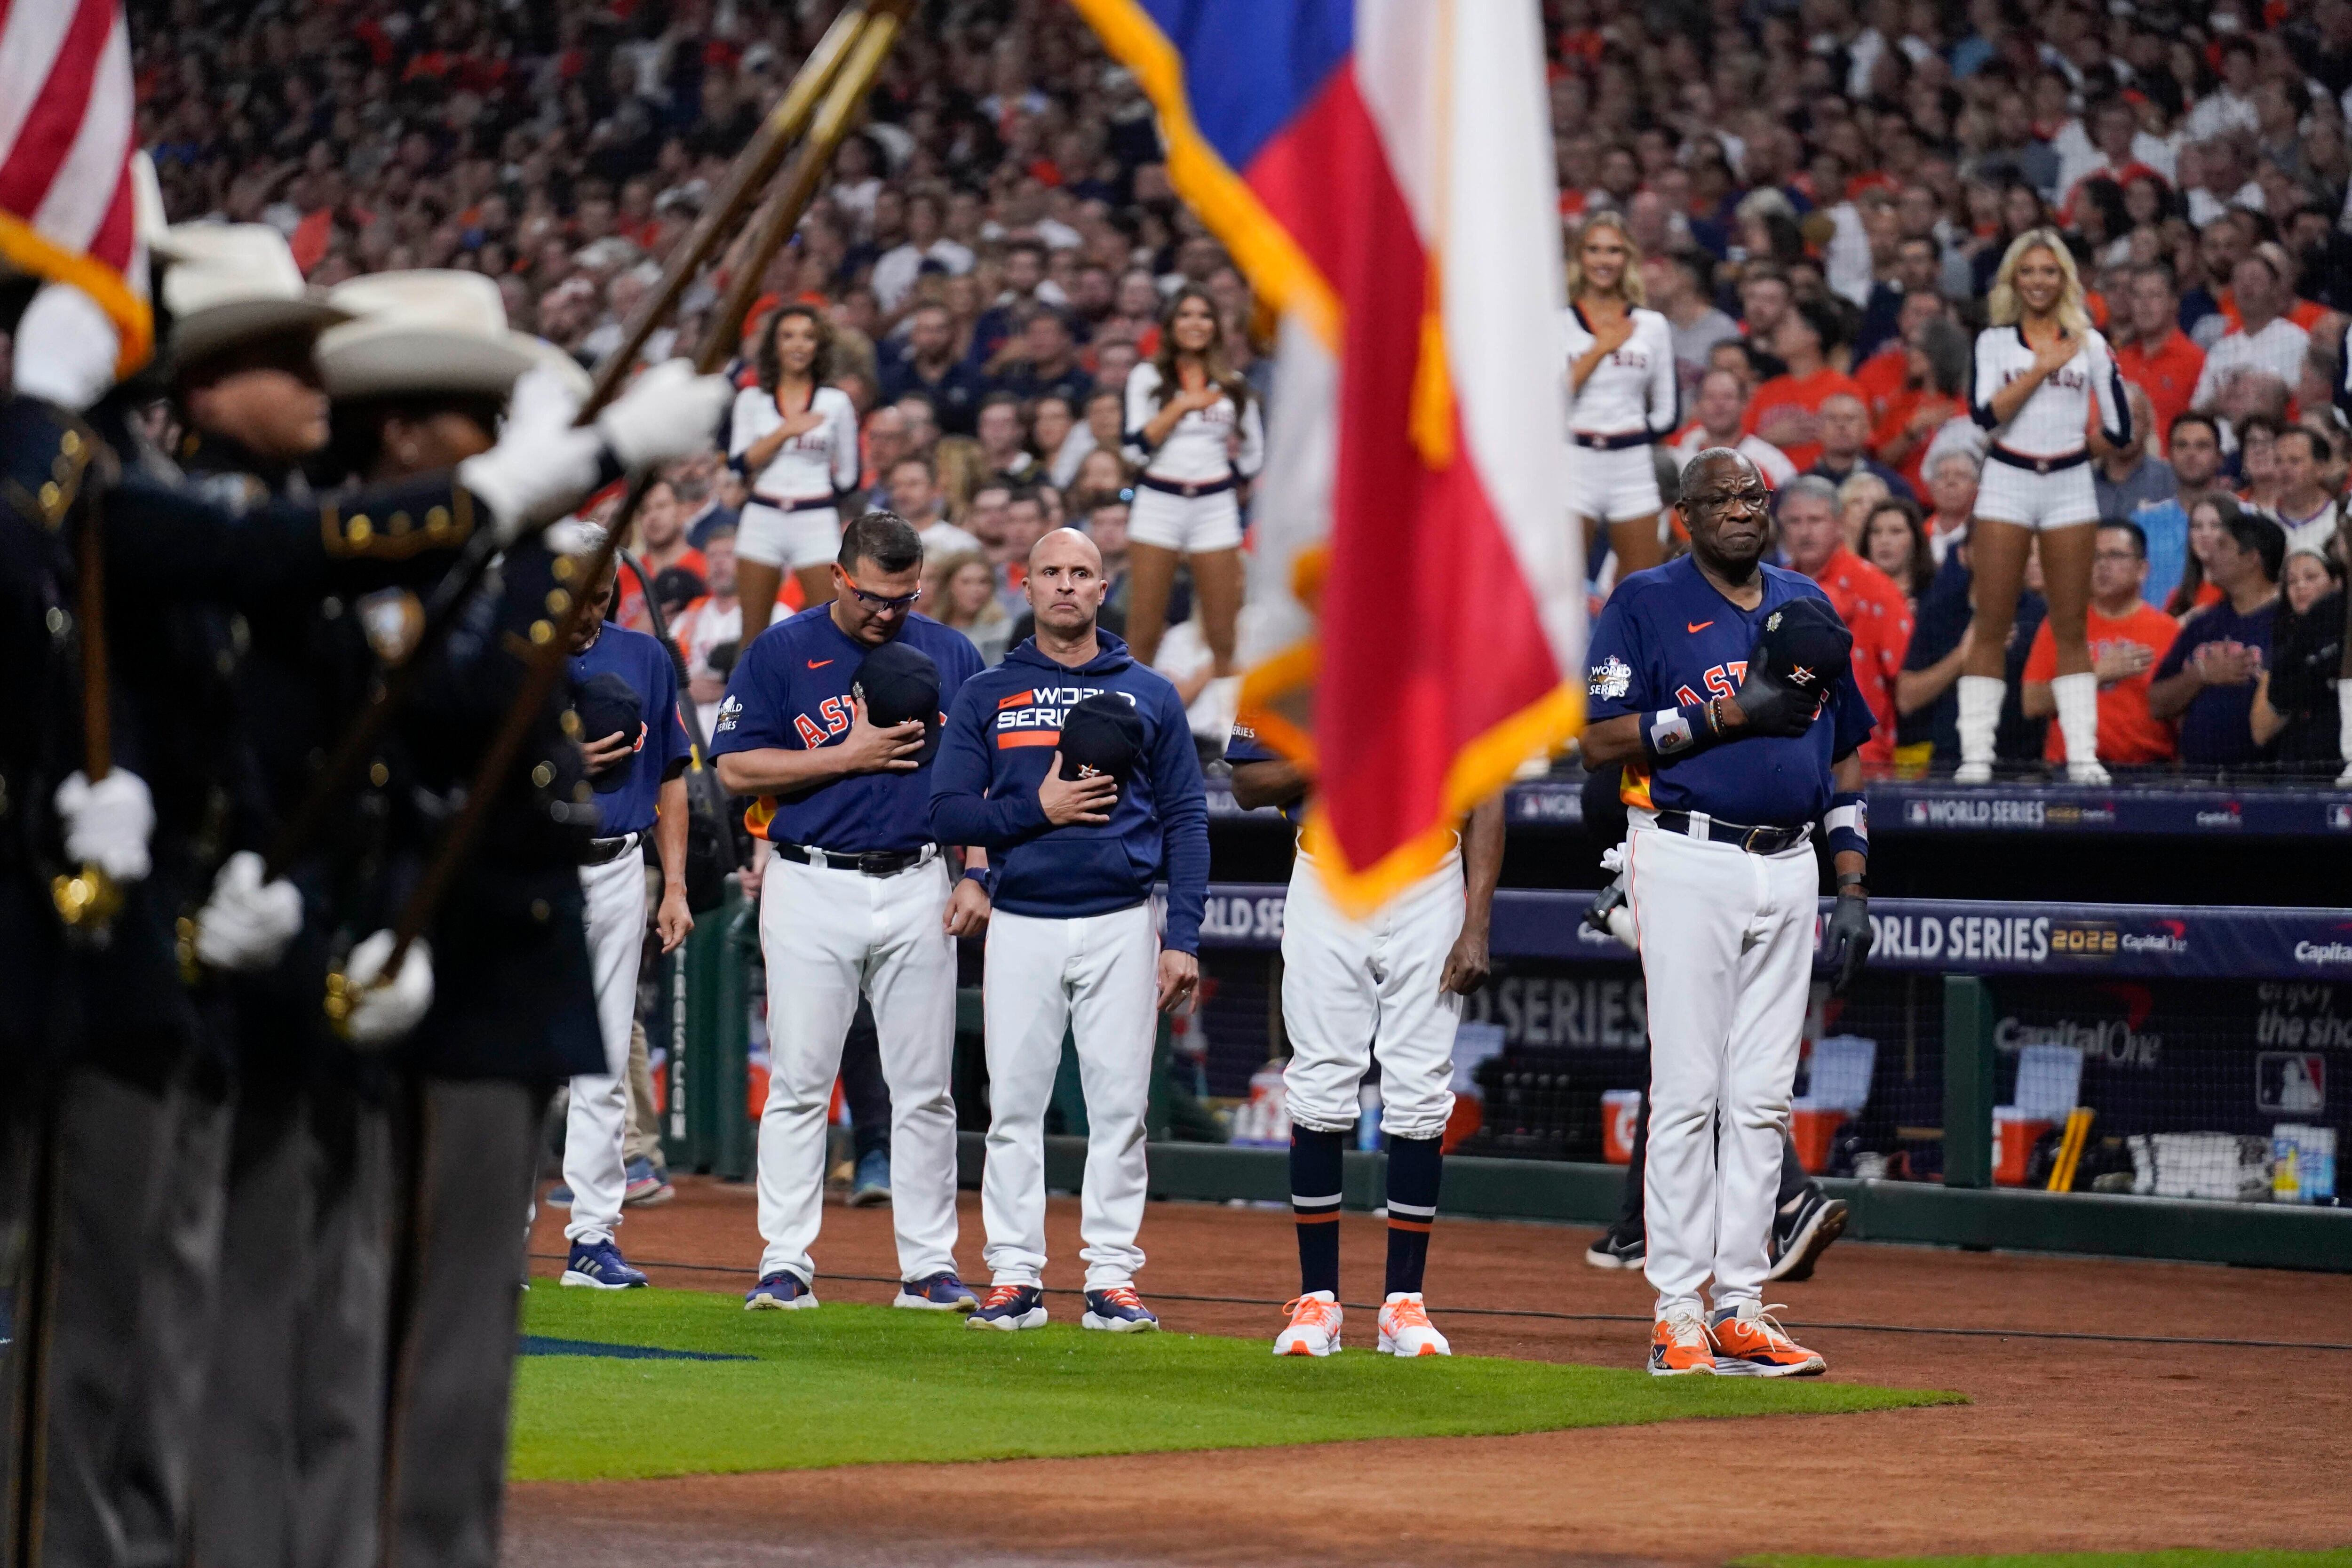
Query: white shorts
x,y
2007,493
1190,525
1613,487
809,536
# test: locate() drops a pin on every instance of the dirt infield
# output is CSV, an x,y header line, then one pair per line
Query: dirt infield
x,y
2070,1443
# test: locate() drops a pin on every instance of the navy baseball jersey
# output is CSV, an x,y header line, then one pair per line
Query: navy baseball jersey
x,y
1243,746
791,689
1667,639
663,752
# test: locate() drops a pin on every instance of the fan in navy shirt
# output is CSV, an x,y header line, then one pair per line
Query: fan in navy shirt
x,y
2207,680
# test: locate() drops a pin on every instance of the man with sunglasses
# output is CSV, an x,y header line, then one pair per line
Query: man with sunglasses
x,y
861,896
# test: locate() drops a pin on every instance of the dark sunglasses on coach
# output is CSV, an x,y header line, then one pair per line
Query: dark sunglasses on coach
x,y
882,601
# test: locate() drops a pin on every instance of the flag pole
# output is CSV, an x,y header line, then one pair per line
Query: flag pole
x,y
747,177
774,224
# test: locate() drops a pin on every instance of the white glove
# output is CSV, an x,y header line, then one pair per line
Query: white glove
x,y
570,536
383,1013
245,926
66,348
108,822
666,414
543,463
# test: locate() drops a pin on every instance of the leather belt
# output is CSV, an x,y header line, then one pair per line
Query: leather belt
x,y
1617,443
806,503
2038,465
604,851
872,862
1189,491
1755,840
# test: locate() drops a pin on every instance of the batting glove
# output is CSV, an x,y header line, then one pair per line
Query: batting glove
x,y
245,926
108,822
1849,941
384,1014
666,414
543,463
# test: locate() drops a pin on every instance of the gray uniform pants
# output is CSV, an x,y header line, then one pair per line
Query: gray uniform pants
x,y
292,1467
130,1300
466,1156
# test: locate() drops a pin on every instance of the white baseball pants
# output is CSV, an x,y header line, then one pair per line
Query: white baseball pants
x,y
1353,992
1096,976
826,934
1727,961
596,1127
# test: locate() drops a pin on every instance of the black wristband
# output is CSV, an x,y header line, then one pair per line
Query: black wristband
x,y
1846,880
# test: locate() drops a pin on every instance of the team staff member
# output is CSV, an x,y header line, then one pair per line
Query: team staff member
x,y
861,896
1865,599
794,440
636,762
1623,395
2039,367
1071,946
1390,990
1725,687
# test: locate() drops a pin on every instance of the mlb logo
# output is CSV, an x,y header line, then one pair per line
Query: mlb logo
x,y
2292,1083
1915,812
2339,816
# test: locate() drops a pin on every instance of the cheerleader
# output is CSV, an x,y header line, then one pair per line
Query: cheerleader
x,y
1194,430
2040,368
1623,395
794,440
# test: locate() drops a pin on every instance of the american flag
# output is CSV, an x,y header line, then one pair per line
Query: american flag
x,y
68,195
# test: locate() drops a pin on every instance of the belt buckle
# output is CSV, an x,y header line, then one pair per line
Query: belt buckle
x,y
1747,841
2041,467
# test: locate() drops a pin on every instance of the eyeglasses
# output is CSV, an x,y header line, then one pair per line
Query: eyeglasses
x,y
882,601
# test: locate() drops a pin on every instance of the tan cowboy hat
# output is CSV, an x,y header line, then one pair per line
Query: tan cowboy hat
x,y
230,283
426,332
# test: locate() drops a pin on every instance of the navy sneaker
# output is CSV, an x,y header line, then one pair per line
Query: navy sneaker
x,y
1800,1235
1613,1251
647,1185
599,1266
937,1293
870,1184
559,1196
1011,1307
1118,1311
783,1292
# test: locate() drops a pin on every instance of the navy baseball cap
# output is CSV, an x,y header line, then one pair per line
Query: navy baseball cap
x,y
1103,734
1804,645
608,705
897,683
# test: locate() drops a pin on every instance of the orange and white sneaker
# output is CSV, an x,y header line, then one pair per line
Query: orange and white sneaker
x,y
1405,1328
1749,1343
1679,1345
1314,1326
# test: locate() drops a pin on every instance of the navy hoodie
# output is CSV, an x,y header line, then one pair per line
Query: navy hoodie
x,y
1000,738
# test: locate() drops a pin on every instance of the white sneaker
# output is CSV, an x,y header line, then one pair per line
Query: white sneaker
x,y
1405,1329
1972,774
2088,773
1314,1326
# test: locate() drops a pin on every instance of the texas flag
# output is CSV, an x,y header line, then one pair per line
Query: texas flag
x,y
1382,171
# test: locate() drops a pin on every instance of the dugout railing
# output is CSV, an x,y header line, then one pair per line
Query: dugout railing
x,y
2209,1027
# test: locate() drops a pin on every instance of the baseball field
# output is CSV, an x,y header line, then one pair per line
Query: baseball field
x,y
1979,1408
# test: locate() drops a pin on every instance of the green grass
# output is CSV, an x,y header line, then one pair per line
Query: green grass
x,y
848,1385
2180,1559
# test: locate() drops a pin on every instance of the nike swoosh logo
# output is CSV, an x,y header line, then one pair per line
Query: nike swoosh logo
x,y
1698,625
818,663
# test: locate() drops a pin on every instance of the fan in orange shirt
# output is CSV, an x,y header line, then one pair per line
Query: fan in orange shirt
x,y
1786,409
1867,599
2159,358
2129,637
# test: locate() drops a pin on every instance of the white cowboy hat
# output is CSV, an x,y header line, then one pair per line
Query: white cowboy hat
x,y
425,332
228,282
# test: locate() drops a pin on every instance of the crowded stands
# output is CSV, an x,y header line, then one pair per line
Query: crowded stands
x,y
1816,197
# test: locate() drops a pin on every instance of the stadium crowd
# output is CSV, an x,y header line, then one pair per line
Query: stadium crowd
x,y
1818,195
